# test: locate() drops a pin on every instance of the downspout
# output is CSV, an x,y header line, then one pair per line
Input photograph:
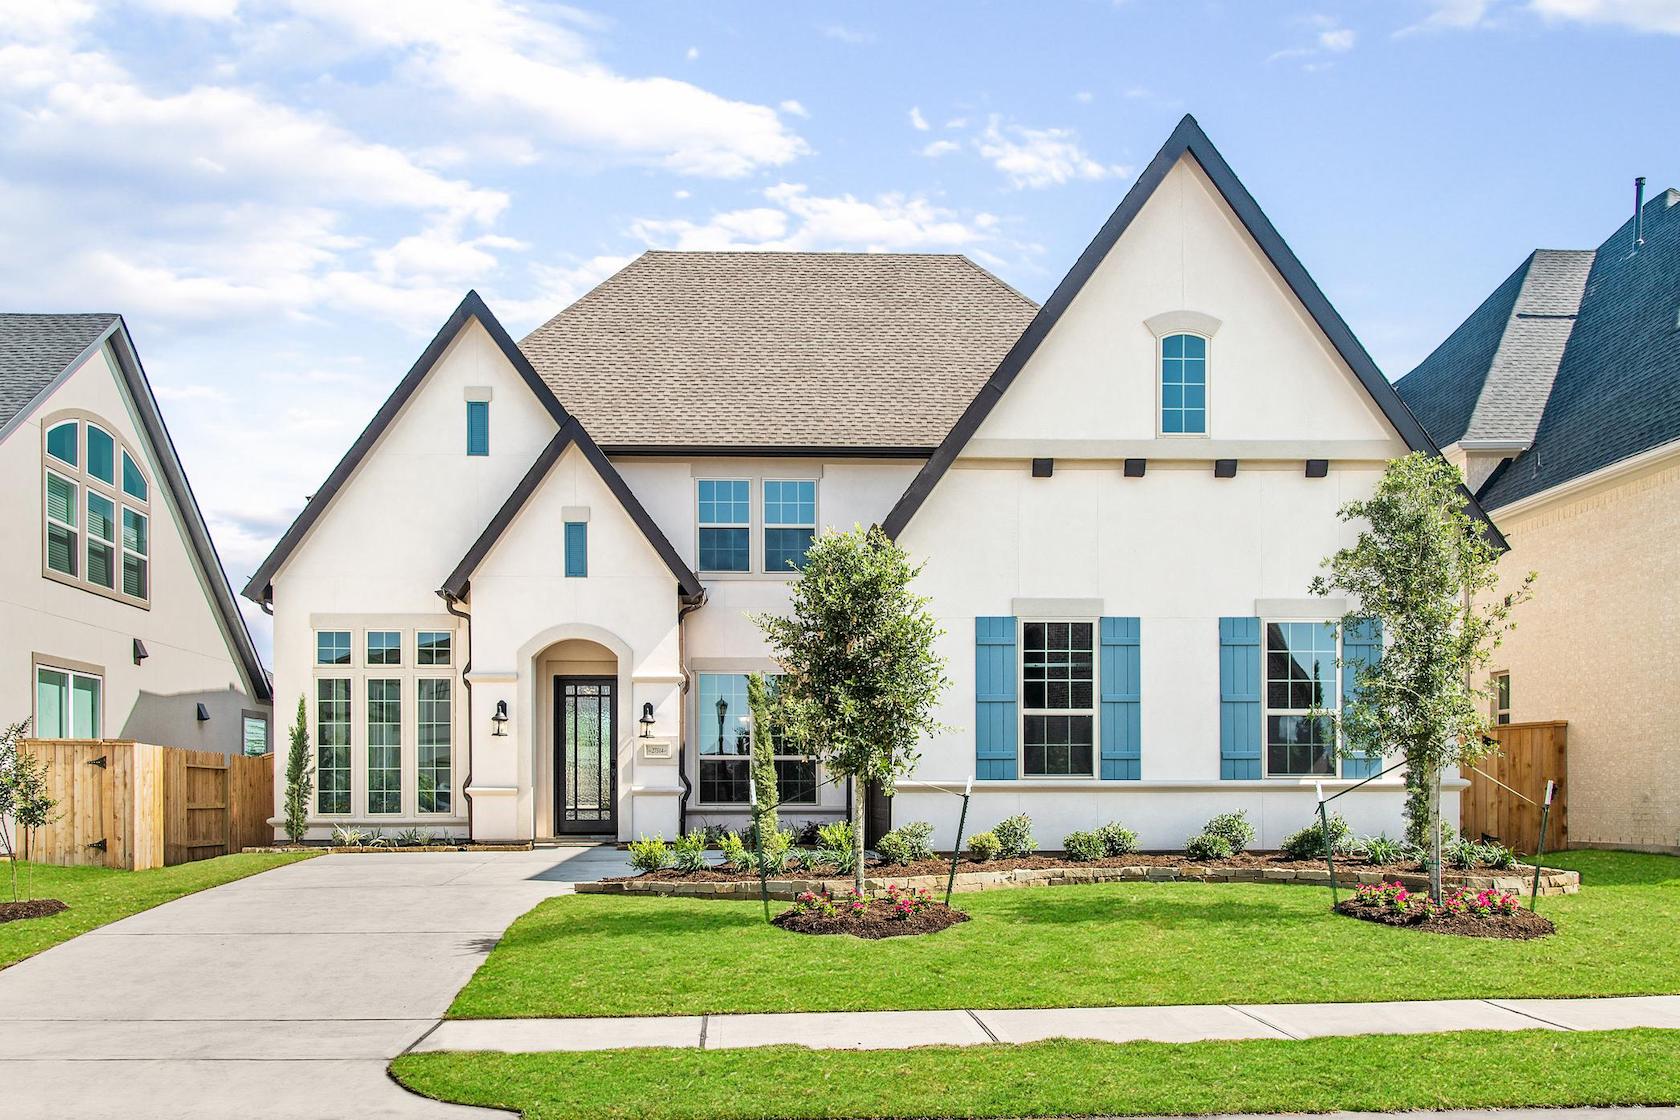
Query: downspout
x,y
687,607
466,685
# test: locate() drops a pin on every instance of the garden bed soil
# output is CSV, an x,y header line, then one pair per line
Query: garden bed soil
x,y
1523,925
878,921
33,908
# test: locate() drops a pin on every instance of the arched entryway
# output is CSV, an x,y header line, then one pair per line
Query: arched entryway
x,y
581,711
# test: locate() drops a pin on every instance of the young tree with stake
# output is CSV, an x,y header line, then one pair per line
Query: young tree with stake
x,y
300,777
860,676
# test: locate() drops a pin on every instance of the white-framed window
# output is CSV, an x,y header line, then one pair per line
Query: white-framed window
x,y
69,704
384,746
431,647
1501,687
725,524
96,522
435,735
1301,679
1184,384
384,647
726,735
253,733
790,522
1058,699
332,647
332,745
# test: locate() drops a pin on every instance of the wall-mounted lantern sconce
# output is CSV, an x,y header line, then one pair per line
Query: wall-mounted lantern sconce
x,y
203,714
647,721
140,651
500,719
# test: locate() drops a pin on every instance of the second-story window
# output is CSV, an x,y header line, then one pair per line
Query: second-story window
x,y
790,522
1184,385
96,525
725,516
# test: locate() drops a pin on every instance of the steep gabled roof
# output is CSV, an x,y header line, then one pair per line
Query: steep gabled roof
x,y
30,347
1187,139
760,351
570,432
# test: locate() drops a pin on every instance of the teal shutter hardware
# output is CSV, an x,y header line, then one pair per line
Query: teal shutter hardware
x,y
1361,645
996,688
1122,733
1239,698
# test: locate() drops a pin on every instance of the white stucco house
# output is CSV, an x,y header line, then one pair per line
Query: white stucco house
x,y
518,607
116,620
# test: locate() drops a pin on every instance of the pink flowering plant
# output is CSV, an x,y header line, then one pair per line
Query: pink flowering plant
x,y
1395,898
810,902
907,902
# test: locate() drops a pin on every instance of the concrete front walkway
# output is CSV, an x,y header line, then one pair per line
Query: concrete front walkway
x,y
883,1030
284,995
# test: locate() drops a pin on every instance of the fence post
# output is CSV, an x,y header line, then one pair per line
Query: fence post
x,y
956,852
1540,848
1329,844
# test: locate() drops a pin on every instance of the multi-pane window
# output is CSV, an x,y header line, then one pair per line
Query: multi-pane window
x,y
726,731
431,647
1301,681
790,522
1502,698
384,647
1184,385
332,647
1058,699
332,745
384,746
254,734
95,533
67,704
435,723
725,514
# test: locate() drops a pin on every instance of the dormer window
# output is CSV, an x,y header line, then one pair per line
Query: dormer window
x,y
1184,385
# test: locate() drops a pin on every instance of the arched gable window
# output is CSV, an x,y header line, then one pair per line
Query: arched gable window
x,y
1184,385
96,531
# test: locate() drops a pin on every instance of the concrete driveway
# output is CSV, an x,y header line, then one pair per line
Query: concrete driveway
x,y
283,995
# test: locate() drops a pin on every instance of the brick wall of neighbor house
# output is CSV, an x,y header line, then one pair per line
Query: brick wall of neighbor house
x,y
1594,647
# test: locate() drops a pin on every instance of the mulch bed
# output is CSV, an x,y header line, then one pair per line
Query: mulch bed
x,y
34,908
874,923
1135,859
1524,925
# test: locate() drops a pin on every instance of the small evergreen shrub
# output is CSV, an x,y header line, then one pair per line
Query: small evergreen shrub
x,y
1015,835
414,837
689,853
348,836
984,846
1117,839
1234,827
1383,850
907,843
1309,842
1466,855
1083,847
808,834
836,835
843,860
1207,847
650,855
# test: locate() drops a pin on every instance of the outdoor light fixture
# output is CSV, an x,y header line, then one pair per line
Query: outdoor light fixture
x,y
647,721
140,651
500,719
203,714
722,710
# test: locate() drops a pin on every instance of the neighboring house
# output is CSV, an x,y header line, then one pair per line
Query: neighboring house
x,y
118,621
519,605
1560,398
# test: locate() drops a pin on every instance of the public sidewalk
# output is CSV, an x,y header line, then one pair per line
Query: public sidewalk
x,y
885,1030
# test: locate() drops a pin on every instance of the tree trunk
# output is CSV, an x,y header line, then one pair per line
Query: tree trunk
x,y
1435,834
857,834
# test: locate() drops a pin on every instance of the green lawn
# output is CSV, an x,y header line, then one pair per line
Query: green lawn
x,y
1380,1072
99,895
1122,943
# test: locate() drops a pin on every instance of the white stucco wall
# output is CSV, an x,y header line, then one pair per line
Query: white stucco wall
x,y
191,658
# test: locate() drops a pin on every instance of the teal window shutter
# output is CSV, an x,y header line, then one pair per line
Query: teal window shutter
x,y
1239,698
1121,707
996,673
478,427
577,548
1361,645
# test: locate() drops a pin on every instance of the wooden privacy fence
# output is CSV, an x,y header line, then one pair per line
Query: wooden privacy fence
x,y
1529,754
138,805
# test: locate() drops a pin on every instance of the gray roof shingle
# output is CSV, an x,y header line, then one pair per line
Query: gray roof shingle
x,y
766,349
35,349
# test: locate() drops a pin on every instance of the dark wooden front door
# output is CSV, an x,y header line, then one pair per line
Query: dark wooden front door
x,y
585,756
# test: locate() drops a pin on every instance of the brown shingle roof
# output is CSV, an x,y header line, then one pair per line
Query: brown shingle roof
x,y
763,349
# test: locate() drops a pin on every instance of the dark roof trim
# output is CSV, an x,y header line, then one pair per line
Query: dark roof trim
x,y
192,518
1187,138
570,432
786,451
472,307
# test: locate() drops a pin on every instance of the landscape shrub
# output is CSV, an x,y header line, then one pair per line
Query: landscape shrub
x,y
1207,847
1015,836
1234,827
835,835
650,855
1468,854
1383,849
1083,847
348,836
843,860
1309,842
689,853
984,846
907,843
808,834
1117,839
778,845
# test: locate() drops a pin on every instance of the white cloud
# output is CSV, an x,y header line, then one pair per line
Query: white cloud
x,y
917,121
1337,39
844,34
1651,16
1040,157
941,148
793,108
552,288
796,219
1328,38
1450,15
692,53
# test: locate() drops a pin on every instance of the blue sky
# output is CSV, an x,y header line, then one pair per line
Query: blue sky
x,y
286,198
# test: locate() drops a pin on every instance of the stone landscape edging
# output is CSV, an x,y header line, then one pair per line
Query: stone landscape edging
x,y
1553,881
